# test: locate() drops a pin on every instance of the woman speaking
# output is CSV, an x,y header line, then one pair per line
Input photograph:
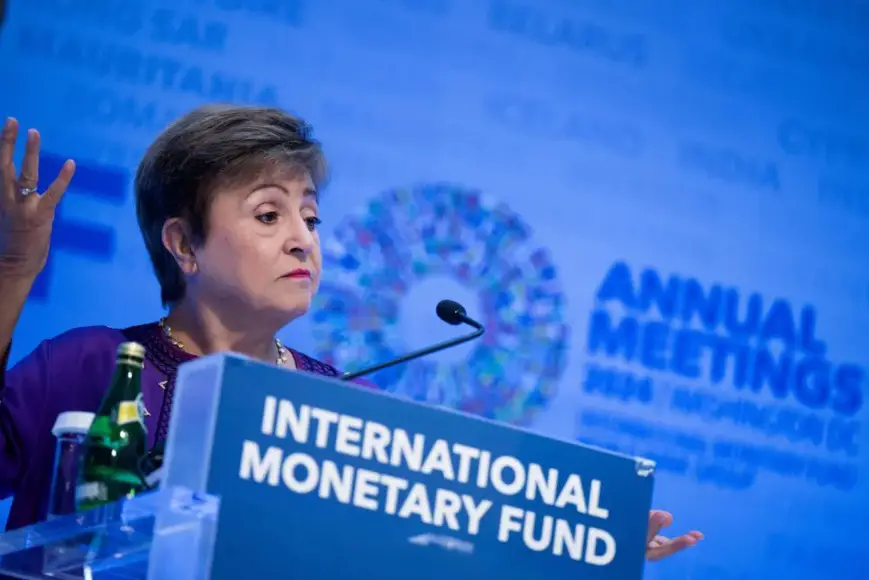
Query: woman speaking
x,y
227,204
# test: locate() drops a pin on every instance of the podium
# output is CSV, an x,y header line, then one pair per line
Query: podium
x,y
271,473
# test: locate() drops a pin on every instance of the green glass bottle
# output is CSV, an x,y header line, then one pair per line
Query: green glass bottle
x,y
117,440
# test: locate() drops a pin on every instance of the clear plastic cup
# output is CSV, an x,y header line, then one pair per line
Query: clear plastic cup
x,y
70,430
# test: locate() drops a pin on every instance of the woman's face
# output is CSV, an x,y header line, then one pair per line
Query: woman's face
x,y
262,249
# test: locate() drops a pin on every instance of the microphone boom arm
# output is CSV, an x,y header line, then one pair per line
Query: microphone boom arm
x,y
420,353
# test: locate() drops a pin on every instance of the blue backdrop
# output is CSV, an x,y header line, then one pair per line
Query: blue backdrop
x,y
659,209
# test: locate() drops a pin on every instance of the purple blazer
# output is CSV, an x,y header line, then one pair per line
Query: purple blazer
x,y
71,372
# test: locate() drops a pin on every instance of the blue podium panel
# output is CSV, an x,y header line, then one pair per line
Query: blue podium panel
x,y
318,478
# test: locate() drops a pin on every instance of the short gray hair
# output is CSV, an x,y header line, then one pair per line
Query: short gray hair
x,y
213,146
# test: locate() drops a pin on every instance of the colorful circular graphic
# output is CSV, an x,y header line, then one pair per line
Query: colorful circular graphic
x,y
403,237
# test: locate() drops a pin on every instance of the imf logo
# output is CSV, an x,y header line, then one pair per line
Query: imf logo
x,y
76,236
408,236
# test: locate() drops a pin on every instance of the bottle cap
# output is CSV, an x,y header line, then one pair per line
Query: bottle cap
x,y
77,422
132,350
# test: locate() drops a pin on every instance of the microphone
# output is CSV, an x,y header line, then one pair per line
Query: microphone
x,y
450,312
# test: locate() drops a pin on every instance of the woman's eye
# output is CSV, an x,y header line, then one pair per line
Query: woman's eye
x,y
313,222
268,217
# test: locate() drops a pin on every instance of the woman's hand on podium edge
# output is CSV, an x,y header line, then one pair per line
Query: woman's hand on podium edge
x,y
659,547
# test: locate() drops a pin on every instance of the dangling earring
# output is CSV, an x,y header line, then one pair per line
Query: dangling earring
x,y
195,268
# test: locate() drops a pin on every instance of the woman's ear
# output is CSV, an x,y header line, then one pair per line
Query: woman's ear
x,y
178,241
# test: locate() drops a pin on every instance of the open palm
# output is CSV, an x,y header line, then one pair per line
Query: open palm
x,y
25,214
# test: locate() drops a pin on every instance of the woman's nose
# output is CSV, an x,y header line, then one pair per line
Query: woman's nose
x,y
300,239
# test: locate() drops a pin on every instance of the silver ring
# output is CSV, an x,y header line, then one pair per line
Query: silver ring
x,y
27,190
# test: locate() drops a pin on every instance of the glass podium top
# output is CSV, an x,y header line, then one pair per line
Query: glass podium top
x,y
114,542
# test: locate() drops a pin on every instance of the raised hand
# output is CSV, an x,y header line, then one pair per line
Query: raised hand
x,y
26,215
660,547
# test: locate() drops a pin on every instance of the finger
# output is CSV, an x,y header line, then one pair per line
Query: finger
x,y
676,545
657,519
30,166
672,547
55,191
7,148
